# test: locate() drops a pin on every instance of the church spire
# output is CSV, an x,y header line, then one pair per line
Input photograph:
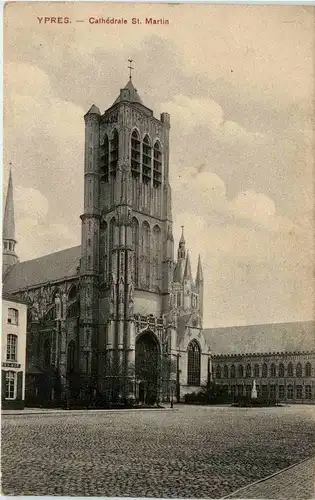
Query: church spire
x,y
181,253
8,233
187,272
199,275
8,219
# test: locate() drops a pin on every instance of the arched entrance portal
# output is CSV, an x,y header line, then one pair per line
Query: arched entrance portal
x,y
147,368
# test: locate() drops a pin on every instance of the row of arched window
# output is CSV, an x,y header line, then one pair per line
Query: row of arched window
x,y
193,360
146,161
56,309
272,391
48,355
146,252
109,154
264,371
146,158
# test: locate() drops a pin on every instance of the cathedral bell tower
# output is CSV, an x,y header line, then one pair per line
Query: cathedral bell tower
x,y
127,241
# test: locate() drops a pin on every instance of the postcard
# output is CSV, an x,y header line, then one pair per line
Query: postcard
x,y
158,334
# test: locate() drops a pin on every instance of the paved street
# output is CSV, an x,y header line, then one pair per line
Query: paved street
x,y
297,482
193,452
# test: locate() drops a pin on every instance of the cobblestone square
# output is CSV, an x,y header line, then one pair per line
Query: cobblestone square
x,y
195,452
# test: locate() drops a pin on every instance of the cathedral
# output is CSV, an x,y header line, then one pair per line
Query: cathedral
x,y
118,318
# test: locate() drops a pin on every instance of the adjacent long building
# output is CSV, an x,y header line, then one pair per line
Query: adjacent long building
x,y
280,358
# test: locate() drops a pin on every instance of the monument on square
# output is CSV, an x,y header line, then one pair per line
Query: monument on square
x,y
254,390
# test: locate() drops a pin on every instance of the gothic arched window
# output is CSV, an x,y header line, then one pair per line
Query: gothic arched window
x,y
281,370
71,357
272,370
308,369
145,249
298,371
146,160
156,248
264,370
72,292
114,150
47,353
248,371
104,159
290,370
240,371
135,250
193,371
218,371
226,371
135,154
256,370
233,371
157,164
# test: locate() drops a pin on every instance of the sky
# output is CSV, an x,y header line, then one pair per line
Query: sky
x,y
238,82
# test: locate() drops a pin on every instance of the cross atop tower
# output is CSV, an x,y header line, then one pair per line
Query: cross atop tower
x,y
130,68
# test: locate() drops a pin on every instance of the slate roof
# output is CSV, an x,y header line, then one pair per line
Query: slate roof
x,y
276,337
131,94
53,267
94,110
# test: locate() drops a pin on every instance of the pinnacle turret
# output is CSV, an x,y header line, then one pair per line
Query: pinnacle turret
x,y
187,272
181,253
199,275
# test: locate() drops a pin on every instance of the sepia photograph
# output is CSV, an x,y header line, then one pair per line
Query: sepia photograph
x,y
158,330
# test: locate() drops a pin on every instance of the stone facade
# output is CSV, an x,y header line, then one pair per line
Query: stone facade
x,y
14,317
286,376
99,311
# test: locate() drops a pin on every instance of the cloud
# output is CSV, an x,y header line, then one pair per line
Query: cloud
x,y
34,109
257,262
44,142
191,113
35,235
242,114
30,203
207,194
